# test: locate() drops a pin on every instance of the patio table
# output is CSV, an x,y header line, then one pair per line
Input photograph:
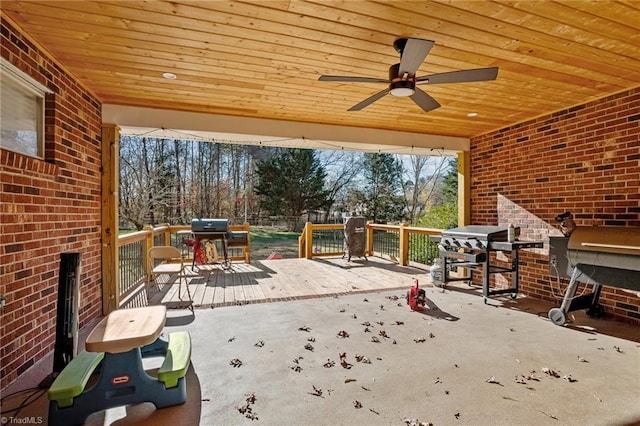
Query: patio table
x,y
125,336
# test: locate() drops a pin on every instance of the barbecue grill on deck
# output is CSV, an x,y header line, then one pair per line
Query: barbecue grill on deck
x,y
217,230
471,247
601,255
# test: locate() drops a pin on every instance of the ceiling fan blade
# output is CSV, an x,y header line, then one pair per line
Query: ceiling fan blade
x,y
351,79
369,100
424,101
413,55
464,76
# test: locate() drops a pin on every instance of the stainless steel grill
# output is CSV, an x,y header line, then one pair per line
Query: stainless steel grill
x,y
471,246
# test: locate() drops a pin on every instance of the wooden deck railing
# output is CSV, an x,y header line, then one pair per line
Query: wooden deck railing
x,y
134,267
401,243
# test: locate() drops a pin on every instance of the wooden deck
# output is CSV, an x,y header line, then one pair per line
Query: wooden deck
x,y
285,279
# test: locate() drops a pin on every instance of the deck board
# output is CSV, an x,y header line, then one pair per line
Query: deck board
x,y
282,279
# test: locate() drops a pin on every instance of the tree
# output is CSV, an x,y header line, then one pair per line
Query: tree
x,y
291,182
444,215
382,196
342,167
450,187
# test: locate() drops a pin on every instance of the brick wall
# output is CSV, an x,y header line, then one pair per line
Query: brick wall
x,y
47,207
584,159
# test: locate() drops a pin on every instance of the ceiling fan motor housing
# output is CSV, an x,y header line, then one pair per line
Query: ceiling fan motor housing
x,y
400,86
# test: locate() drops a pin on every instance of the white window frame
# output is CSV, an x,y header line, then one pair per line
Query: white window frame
x,y
33,91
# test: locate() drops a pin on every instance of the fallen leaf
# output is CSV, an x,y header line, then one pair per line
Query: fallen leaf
x,y
349,380
569,379
309,347
617,348
296,368
374,411
367,389
431,335
580,359
343,334
457,415
307,329
235,363
366,324
374,339
493,380
231,339
363,359
259,344
399,322
329,364
550,372
357,404
383,333
365,300
316,391
311,339
421,340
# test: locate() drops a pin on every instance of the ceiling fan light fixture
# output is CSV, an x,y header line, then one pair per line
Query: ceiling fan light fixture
x,y
402,88
169,75
402,91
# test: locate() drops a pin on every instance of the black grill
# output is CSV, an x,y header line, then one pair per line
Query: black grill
x,y
209,228
471,246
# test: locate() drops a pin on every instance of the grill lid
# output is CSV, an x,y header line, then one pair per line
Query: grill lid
x,y
606,239
481,232
209,225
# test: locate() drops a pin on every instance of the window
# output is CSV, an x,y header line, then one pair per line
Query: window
x,y
21,112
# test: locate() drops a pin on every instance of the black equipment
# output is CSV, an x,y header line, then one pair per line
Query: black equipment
x,y
67,315
218,230
471,246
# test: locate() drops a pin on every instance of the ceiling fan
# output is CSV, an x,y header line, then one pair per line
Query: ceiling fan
x,y
402,77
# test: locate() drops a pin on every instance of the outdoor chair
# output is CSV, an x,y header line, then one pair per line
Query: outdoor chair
x,y
168,260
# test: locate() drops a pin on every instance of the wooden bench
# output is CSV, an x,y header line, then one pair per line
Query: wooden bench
x,y
177,359
71,382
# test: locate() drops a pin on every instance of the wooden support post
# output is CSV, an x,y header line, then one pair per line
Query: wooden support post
x,y
464,188
308,230
369,240
109,219
247,248
403,246
148,243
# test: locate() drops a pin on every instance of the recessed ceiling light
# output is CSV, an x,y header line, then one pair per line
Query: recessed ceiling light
x,y
169,76
472,114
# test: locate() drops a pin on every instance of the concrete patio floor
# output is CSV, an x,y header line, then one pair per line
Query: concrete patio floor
x,y
459,362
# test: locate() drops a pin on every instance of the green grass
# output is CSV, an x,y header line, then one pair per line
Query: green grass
x,y
265,241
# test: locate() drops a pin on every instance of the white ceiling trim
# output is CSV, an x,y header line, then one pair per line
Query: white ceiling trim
x,y
163,123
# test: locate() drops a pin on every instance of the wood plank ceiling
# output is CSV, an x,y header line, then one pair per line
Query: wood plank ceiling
x,y
262,58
